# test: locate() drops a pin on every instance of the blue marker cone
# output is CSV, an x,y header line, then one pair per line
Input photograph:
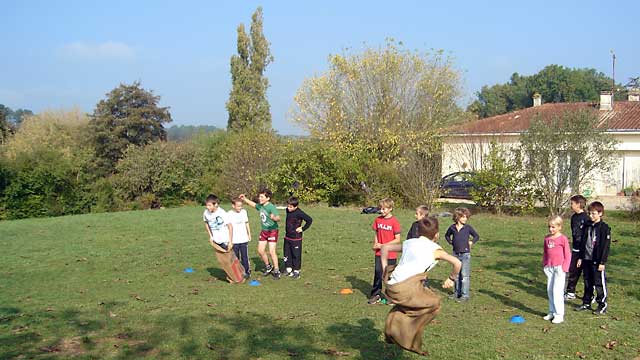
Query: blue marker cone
x,y
188,270
517,319
254,283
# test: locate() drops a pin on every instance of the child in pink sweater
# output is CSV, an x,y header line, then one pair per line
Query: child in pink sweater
x,y
556,260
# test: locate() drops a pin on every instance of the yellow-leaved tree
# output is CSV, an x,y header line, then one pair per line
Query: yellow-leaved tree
x,y
387,103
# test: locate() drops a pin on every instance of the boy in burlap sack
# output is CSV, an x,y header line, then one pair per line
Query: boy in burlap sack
x,y
415,306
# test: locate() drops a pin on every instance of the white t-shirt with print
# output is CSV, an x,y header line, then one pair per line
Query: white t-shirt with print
x,y
217,222
418,256
239,222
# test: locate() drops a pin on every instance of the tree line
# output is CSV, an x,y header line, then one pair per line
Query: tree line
x,y
375,120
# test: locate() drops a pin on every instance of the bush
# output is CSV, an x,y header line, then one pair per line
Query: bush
x,y
314,171
500,185
43,166
245,159
160,174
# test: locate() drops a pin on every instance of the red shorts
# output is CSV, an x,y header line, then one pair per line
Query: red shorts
x,y
269,235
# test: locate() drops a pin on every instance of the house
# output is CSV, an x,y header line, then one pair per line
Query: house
x,y
465,147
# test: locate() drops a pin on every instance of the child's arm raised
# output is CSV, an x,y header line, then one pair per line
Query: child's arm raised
x,y
457,265
247,201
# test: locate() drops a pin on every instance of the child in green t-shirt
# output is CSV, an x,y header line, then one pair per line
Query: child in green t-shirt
x,y
269,235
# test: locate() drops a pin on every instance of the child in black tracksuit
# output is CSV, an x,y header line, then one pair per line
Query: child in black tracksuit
x,y
293,237
579,221
594,252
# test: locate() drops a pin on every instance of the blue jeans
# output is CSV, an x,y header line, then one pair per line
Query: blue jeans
x,y
464,278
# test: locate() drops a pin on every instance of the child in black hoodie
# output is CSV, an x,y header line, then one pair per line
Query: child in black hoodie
x,y
293,237
594,252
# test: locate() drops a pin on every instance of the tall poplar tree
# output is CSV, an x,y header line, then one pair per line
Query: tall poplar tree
x,y
248,106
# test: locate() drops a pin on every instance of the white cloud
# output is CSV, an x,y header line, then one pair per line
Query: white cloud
x,y
110,50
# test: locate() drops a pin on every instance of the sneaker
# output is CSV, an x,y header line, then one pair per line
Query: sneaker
x,y
569,296
267,270
557,320
462,299
374,299
289,273
548,317
453,296
600,311
276,274
247,275
296,275
583,307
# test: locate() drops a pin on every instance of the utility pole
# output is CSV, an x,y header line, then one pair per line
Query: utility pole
x,y
613,75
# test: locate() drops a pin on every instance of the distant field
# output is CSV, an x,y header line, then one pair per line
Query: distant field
x,y
112,286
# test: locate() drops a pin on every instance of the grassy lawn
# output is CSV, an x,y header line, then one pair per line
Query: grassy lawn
x,y
113,286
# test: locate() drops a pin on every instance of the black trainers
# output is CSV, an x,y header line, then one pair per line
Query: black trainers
x,y
276,274
267,270
289,273
295,275
583,307
600,311
374,299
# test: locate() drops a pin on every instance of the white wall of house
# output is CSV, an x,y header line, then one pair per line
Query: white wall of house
x,y
466,153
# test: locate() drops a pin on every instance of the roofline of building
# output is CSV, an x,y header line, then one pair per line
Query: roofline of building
x,y
622,131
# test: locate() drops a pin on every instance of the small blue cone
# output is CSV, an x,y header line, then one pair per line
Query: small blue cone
x,y
517,319
188,270
254,283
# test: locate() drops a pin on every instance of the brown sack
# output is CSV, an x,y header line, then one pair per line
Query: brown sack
x,y
231,265
415,307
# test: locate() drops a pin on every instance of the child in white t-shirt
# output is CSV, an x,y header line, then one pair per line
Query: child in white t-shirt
x,y
415,305
239,220
218,228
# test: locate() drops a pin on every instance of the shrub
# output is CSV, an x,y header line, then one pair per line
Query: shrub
x,y
500,184
315,171
43,166
161,173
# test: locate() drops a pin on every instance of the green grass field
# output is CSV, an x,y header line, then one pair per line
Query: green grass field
x,y
112,286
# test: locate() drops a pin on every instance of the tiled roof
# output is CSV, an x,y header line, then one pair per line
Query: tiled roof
x,y
625,116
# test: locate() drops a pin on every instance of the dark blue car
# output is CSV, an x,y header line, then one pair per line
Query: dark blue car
x,y
457,185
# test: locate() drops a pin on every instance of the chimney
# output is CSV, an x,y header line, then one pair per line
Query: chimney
x,y
634,95
537,99
606,100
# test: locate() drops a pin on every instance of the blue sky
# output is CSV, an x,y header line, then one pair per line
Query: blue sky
x,y
64,54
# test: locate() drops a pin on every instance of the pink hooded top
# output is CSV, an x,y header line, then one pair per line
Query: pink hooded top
x,y
557,251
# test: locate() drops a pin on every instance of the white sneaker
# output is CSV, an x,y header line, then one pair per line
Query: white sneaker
x,y
569,296
548,317
557,320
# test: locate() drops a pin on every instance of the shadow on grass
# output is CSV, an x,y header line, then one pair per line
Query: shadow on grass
x,y
251,335
359,284
24,342
508,301
365,338
530,286
217,273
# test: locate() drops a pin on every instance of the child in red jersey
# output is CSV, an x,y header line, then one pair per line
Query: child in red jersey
x,y
387,230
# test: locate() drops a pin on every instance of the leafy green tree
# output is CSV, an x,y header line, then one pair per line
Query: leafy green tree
x,y
129,115
563,154
248,106
554,83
